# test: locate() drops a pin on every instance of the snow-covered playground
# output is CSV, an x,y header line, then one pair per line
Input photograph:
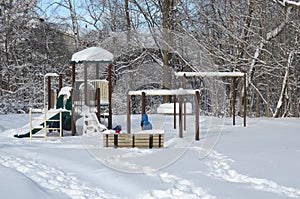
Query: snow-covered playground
x,y
259,161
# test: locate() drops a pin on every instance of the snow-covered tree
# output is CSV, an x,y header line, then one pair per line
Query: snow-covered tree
x,y
31,47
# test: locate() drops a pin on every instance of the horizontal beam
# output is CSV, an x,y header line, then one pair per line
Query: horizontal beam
x,y
163,92
91,62
209,74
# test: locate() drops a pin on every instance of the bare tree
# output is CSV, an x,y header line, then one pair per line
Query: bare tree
x,y
55,11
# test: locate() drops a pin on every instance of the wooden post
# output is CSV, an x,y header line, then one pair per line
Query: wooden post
x,y
109,97
60,84
174,101
128,114
184,114
73,119
174,98
143,103
184,103
73,75
180,118
61,133
245,100
85,84
73,122
49,92
233,79
97,71
53,96
183,83
197,112
98,103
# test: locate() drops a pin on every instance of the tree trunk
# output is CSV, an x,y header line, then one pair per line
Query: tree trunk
x,y
74,24
128,23
284,86
270,35
266,74
165,50
258,98
0,79
268,114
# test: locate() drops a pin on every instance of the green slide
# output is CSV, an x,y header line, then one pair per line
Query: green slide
x,y
66,118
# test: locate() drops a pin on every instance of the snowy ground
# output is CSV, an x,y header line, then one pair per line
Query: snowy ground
x,y
259,161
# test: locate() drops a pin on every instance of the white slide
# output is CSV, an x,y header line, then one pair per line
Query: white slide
x,y
91,123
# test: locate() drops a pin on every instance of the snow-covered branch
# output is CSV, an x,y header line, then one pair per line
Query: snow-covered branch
x,y
288,3
270,35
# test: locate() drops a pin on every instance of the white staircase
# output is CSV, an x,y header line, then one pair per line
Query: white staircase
x,y
91,123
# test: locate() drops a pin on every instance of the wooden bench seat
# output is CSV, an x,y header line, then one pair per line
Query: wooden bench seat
x,y
142,139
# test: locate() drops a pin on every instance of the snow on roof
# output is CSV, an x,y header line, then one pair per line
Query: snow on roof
x,y
210,74
92,54
164,92
65,91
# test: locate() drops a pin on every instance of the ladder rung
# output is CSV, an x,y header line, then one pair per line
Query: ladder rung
x,y
53,120
38,136
53,128
53,136
37,118
36,110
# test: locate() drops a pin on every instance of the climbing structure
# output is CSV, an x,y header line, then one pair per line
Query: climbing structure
x,y
91,87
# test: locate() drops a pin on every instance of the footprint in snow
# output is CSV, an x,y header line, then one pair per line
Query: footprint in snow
x,y
54,179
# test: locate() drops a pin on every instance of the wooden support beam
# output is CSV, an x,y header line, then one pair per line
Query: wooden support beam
x,y
73,75
209,74
73,119
109,96
143,103
184,114
128,114
97,73
180,118
184,105
85,84
60,84
49,92
98,103
197,113
174,99
73,122
233,79
245,99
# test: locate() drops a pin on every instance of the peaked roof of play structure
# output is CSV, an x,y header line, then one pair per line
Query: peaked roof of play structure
x,y
92,54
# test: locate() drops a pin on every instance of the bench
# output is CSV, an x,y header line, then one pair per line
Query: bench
x,y
142,139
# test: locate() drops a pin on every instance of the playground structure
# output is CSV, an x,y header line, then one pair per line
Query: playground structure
x,y
84,98
233,75
91,92
165,92
182,92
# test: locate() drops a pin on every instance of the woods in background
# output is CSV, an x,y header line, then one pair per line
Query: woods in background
x,y
258,37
